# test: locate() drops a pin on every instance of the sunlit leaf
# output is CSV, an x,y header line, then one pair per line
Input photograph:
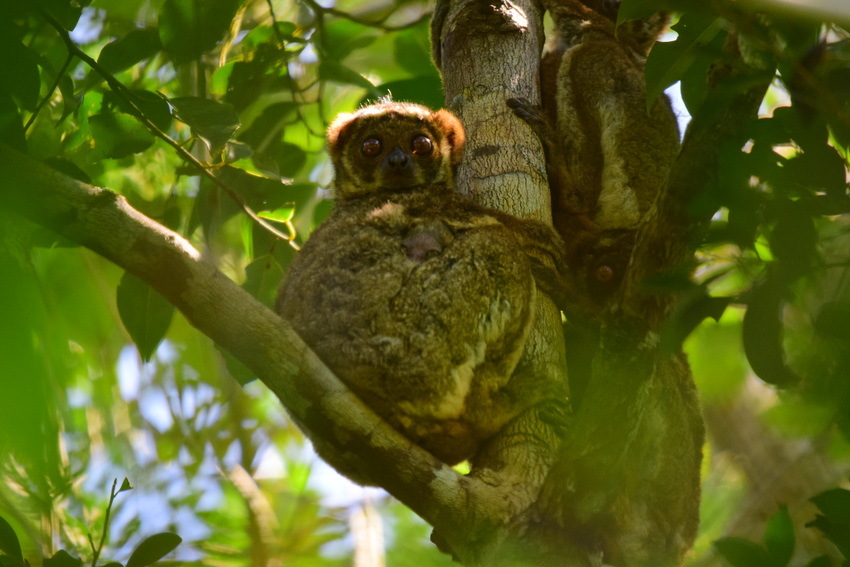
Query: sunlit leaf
x,y
282,214
125,486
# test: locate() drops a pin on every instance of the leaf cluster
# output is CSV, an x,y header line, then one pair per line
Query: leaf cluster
x,y
779,204
777,547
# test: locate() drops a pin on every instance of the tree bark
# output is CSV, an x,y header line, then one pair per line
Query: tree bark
x,y
489,52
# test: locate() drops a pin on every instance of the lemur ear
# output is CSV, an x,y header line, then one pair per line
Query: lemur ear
x,y
455,135
339,130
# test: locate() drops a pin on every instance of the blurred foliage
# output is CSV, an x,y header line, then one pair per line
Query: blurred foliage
x,y
201,111
148,552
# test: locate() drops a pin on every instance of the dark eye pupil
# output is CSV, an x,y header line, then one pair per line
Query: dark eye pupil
x,y
371,147
422,145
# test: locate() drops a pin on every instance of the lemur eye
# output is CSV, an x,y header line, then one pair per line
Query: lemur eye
x,y
371,147
422,145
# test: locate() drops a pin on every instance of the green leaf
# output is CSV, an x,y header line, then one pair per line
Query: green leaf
x,y
125,52
692,310
63,559
779,538
668,62
153,105
289,159
237,369
832,319
837,533
125,486
234,150
188,28
800,417
70,99
793,239
9,543
413,53
714,351
118,135
835,505
145,313
343,36
19,69
321,211
822,561
639,9
11,125
153,549
763,330
819,168
215,122
262,278
427,90
741,552
333,71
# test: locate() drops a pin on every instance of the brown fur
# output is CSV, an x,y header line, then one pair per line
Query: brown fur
x,y
608,156
416,297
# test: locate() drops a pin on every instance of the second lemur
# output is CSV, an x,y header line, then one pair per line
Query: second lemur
x,y
608,155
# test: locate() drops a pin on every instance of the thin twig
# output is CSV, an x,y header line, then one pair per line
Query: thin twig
x,y
96,554
53,88
377,24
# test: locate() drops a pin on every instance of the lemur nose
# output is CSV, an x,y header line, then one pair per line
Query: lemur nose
x,y
397,158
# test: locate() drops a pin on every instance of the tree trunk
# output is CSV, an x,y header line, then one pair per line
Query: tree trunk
x,y
624,486
620,484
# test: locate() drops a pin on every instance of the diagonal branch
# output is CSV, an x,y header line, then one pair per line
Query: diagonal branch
x,y
346,432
